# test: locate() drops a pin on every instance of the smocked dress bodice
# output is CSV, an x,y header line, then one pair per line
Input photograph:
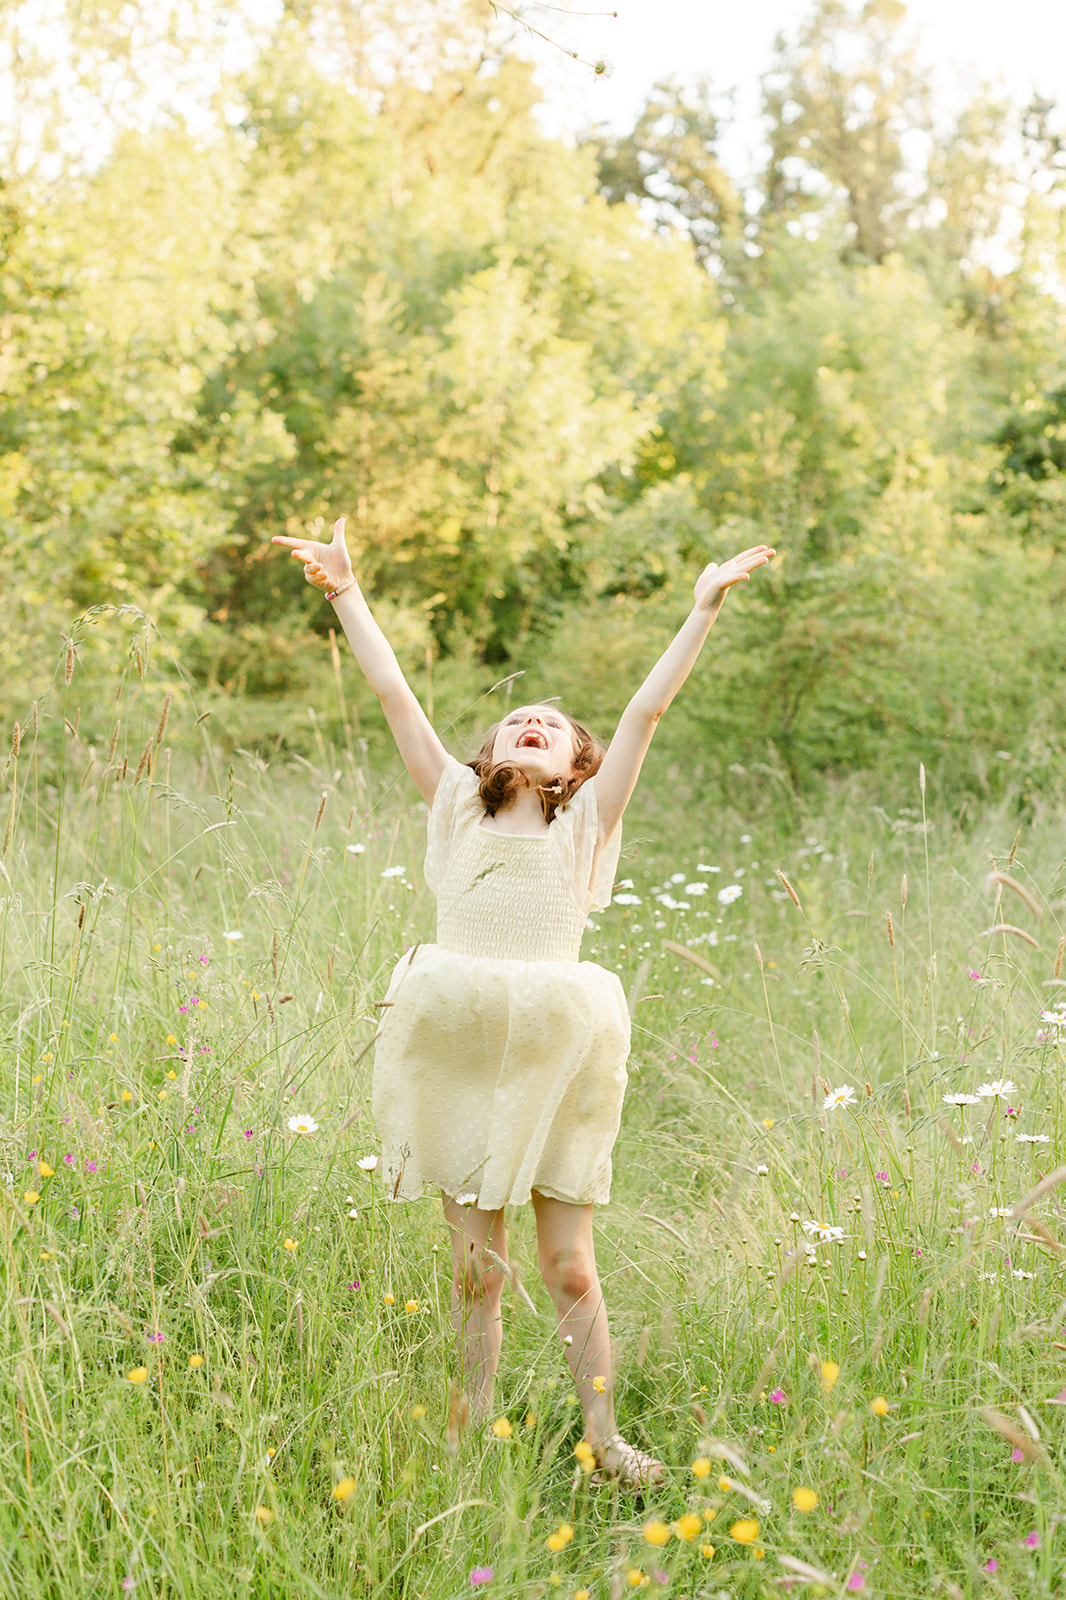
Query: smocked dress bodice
x,y
507,895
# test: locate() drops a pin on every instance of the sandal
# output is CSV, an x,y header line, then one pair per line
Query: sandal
x,y
622,1463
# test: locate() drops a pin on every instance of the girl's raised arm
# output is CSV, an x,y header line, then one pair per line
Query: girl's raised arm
x,y
617,777
329,568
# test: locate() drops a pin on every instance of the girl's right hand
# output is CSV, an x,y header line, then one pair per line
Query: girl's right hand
x,y
327,566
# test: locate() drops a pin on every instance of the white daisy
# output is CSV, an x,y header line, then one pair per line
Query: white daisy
x,y
731,892
1017,1272
823,1232
302,1123
627,900
394,872
1000,1211
701,866
356,849
1032,1138
999,1089
960,1099
232,937
696,888
367,1163
838,1098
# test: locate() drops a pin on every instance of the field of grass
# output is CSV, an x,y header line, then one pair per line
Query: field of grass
x,y
225,1356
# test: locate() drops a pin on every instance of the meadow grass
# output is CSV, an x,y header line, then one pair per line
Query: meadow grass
x,y
226,1355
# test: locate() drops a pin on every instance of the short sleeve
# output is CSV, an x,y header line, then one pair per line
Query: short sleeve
x,y
454,802
576,829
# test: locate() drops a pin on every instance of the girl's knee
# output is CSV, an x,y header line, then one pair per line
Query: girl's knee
x,y
474,1277
570,1272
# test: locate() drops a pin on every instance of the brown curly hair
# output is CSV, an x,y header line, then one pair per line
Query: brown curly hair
x,y
501,781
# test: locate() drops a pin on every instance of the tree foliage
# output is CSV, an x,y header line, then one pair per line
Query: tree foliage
x,y
255,275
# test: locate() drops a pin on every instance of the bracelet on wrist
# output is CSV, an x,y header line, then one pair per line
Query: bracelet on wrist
x,y
333,593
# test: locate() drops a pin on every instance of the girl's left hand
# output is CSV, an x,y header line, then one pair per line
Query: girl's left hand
x,y
714,580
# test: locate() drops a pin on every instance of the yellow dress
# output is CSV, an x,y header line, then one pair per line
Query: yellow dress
x,y
500,1066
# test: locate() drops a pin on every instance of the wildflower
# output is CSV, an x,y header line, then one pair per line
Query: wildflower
x,y
302,1123
855,1582
31,1197
502,1428
728,893
113,1038
992,1565
998,1089
804,1499
394,872
45,1170
1032,1540
1017,1455
344,1489
356,849
126,1095
288,1244
632,899
1019,1272
656,1533
725,1483
777,1397
171,1074
354,1212
389,1300
264,1516
706,1551
137,1375
960,1099
689,1527
823,1232
762,1172
767,1122
701,1467
195,1361
155,1338
37,1077
1026,1138
479,1574
1000,1211
879,1406
586,1455
746,1531
90,1166
830,1374
560,1538
410,1306
839,1098
367,1163
232,936
600,1385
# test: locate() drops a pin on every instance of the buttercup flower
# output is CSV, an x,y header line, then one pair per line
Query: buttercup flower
x,y
804,1499
502,1428
701,1467
656,1533
830,1374
344,1489
746,1531
689,1527
196,1361
137,1375
879,1406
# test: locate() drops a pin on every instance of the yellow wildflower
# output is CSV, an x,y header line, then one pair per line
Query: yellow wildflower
x,y
725,1482
126,1095
701,1467
344,1490
637,1579
746,1531
707,1551
171,1074
502,1428
138,1375
560,1538
599,1384
689,1527
586,1455
417,1413
264,1516
45,1170
768,1122
47,1056
113,1037
531,1419
389,1301
171,1039
162,1094
37,1078
804,1499
830,1374
288,1244
656,1532
581,1594
31,1197
410,1306
879,1407
196,1361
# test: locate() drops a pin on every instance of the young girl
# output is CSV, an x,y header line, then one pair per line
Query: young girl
x,y
500,1067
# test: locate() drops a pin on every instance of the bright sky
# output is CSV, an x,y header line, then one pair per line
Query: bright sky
x,y
1020,44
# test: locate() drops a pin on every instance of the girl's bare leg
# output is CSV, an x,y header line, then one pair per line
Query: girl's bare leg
x,y
477,1286
568,1266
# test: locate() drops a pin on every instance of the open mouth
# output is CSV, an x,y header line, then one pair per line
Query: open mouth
x,y
532,740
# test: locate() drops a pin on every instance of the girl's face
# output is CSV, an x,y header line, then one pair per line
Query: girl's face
x,y
538,739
